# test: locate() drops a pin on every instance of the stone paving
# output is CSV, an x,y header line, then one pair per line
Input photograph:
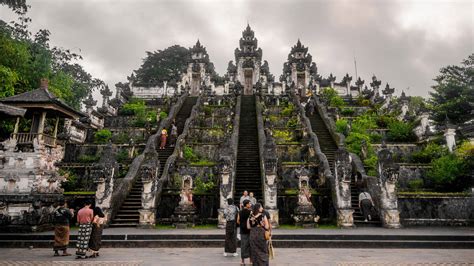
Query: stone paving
x,y
213,256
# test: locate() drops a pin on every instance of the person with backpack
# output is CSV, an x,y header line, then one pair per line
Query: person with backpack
x,y
61,217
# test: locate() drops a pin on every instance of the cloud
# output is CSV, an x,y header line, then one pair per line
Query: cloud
x,y
404,43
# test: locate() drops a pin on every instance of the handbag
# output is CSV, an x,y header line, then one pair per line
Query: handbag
x,y
268,236
271,251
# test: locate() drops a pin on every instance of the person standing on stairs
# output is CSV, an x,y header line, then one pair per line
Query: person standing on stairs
x,y
230,215
173,134
365,204
252,199
163,137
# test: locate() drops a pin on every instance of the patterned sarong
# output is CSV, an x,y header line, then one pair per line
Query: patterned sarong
x,y
61,237
83,237
230,237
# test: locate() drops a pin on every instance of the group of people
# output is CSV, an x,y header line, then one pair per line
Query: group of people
x,y
173,136
89,239
255,230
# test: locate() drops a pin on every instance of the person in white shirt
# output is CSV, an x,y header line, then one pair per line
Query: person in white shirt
x,y
365,204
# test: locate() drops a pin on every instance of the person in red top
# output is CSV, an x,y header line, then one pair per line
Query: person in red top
x,y
84,219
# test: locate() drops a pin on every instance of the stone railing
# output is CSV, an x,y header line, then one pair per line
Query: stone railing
x,y
228,165
170,162
124,185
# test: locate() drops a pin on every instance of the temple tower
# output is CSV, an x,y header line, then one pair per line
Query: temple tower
x,y
199,69
249,59
299,68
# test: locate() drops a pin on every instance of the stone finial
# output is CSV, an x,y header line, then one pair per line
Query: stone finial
x,y
375,84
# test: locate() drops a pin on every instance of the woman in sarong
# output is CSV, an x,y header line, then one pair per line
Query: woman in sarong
x,y
163,137
61,217
230,215
95,241
258,224
84,218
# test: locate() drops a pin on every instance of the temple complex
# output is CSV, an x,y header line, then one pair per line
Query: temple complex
x,y
288,142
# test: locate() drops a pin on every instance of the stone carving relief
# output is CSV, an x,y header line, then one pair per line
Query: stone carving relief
x,y
343,172
388,173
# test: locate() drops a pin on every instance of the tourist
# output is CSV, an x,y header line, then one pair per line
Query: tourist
x,y
163,137
84,219
245,196
95,241
258,224
173,134
252,199
61,217
230,215
242,218
365,205
267,214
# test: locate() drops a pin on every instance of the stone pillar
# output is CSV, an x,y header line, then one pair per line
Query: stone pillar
x,y
103,174
226,188
388,173
450,134
270,186
342,179
149,175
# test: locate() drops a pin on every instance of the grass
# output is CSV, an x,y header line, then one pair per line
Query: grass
x,y
431,193
203,163
79,193
197,227
320,226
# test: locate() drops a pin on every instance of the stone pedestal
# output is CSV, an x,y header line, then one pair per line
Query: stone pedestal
x,y
305,215
274,217
147,219
184,216
391,218
221,222
345,218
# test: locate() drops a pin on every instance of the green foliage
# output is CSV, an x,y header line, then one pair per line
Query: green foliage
x,y
429,153
400,131
163,115
282,136
446,173
363,123
361,101
354,142
207,110
121,138
348,111
342,126
26,58
330,96
273,118
371,165
202,186
216,132
162,65
122,156
288,110
415,184
189,154
134,107
292,122
203,162
102,136
71,182
384,120
375,137
453,94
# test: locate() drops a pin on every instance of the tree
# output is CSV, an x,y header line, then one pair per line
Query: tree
x,y
160,66
453,95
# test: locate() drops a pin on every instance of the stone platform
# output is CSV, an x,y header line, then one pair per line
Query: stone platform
x,y
445,238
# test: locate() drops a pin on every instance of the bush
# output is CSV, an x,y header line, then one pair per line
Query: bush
x,y
189,154
134,107
429,153
354,142
282,136
292,122
371,165
88,158
102,136
375,137
288,110
122,156
163,115
415,184
400,132
342,126
384,120
330,96
447,173
347,111
204,186
363,123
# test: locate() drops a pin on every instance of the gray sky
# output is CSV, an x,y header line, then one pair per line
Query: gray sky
x,y
404,43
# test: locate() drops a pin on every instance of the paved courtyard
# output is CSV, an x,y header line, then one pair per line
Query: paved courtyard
x,y
213,256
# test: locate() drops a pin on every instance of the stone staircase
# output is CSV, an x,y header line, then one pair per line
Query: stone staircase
x,y
326,142
127,215
248,176
357,215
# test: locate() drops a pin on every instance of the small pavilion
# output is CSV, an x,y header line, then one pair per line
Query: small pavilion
x,y
38,105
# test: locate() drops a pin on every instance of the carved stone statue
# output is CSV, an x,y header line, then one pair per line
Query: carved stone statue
x,y
388,172
343,172
305,213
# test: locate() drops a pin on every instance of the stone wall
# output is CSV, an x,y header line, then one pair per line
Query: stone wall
x,y
436,210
